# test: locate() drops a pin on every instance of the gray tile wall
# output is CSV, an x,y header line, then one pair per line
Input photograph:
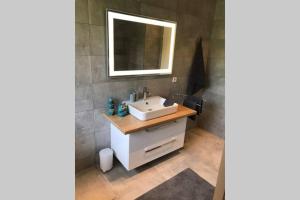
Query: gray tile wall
x,y
213,119
194,18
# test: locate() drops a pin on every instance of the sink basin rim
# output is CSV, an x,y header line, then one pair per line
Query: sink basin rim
x,y
160,110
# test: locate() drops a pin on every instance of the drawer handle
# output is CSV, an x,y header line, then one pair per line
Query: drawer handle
x,y
159,126
153,148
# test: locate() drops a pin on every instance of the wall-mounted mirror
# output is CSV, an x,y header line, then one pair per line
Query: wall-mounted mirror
x,y
139,45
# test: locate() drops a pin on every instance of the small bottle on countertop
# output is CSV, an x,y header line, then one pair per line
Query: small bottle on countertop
x,y
111,107
132,97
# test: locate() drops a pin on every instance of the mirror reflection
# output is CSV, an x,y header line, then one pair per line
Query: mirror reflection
x,y
139,46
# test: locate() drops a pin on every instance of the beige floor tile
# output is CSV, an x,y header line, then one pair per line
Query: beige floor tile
x,y
202,153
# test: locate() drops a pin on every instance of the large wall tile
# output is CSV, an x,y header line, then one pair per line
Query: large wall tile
x,y
217,100
83,163
101,123
216,66
99,68
122,89
81,11
220,10
84,120
191,6
85,145
118,90
83,132
102,138
217,85
130,6
83,92
159,87
97,9
97,40
212,118
184,55
217,49
196,28
166,4
185,47
101,94
83,105
83,71
218,31
181,87
158,12
83,98
182,66
97,15
199,8
82,39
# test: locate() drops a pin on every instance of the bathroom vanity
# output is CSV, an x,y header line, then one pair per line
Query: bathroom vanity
x,y
136,142
152,129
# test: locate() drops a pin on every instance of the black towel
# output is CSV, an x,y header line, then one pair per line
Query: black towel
x,y
197,76
169,102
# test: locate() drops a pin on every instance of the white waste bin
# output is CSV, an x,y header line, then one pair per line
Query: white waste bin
x,y
106,159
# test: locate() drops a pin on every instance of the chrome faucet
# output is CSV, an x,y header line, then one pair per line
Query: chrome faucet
x,y
145,92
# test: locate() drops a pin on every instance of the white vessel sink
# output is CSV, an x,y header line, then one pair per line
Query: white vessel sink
x,y
151,108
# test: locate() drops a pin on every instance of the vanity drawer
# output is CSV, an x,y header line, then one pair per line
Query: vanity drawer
x,y
156,150
155,142
142,139
138,148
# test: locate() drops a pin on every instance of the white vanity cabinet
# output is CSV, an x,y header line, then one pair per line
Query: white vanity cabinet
x,y
136,142
142,146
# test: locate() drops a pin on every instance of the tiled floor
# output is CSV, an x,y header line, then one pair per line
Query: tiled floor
x,y
202,153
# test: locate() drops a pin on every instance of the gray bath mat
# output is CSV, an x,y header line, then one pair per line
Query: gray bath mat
x,y
186,185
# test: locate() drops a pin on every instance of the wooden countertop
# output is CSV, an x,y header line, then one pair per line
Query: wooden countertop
x,y
129,123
